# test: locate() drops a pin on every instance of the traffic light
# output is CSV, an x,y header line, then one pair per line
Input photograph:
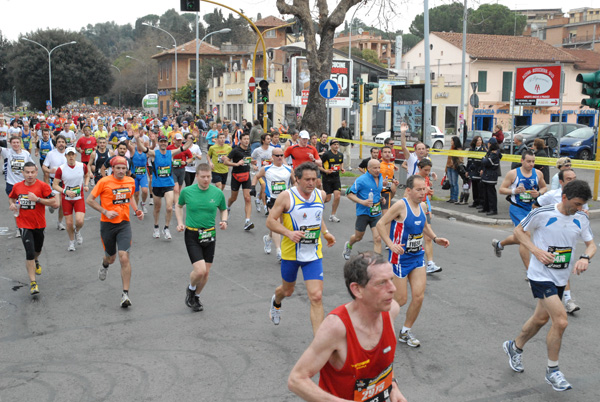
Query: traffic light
x,y
591,88
193,95
190,5
264,91
250,96
356,93
368,88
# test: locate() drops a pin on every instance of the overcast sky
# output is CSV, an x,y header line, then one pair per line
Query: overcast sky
x,y
20,17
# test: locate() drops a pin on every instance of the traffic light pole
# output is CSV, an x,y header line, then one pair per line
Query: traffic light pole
x,y
360,127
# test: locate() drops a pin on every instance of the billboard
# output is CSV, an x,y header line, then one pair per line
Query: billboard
x,y
538,86
384,93
341,73
407,107
150,103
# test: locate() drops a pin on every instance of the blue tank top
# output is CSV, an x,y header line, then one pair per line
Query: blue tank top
x,y
139,161
163,170
45,147
525,200
410,233
26,138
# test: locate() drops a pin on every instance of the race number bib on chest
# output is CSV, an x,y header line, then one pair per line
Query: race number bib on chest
x,y
220,158
25,202
121,196
376,389
375,209
266,162
163,171
525,197
177,163
562,257
311,234
140,170
76,190
414,243
89,151
247,160
17,164
277,187
206,235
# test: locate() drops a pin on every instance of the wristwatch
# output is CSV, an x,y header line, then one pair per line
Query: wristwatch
x,y
585,256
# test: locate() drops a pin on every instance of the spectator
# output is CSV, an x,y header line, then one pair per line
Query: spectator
x,y
452,169
498,134
474,168
344,133
489,179
561,164
540,150
520,147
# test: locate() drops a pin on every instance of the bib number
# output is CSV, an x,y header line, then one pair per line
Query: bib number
x,y
375,209
163,171
414,244
311,234
220,158
376,389
45,152
139,170
247,161
76,190
525,197
17,165
266,162
277,187
207,235
562,257
121,196
177,163
25,202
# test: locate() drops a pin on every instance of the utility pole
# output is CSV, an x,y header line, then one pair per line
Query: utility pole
x,y
427,106
463,70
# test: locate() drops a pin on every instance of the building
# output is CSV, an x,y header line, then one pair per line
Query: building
x,y
383,48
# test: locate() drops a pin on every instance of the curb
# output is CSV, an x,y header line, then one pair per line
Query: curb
x,y
470,218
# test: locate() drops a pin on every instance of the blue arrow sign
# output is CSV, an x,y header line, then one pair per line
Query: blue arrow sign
x,y
328,89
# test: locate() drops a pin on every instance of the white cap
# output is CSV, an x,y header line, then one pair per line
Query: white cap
x,y
304,134
69,150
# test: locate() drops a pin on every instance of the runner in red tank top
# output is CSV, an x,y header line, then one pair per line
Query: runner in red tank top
x,y
355,365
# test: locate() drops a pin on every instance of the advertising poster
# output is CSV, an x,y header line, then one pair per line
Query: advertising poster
x,y
538,86
341,73
384,93
407,107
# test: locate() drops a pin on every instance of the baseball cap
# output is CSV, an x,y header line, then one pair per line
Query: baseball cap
x,y
304,134
334,141
120,123
162,138
70,150
178,136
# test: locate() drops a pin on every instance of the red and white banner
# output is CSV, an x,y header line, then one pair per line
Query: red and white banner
x,y
538,86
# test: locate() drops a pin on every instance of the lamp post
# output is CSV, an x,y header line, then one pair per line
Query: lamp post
x,y
145,66
224,30
175,42
119,70
49,60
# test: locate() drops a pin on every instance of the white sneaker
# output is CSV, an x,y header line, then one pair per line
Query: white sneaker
x,y
151,201
268,242
79,237
333,218
60,226
432,268
167,234
257,203
125,301
279,254
347,251
71,246
274,312
144,209
266,210
102,273
156,233
18,233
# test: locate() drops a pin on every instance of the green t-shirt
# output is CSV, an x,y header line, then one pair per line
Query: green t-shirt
x,y
202,205
216,153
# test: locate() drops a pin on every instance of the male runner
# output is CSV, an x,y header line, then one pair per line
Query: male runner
x,y
366,193
98,157
216,159
402,229
139,162
261,157
118,135
302,210
202,202
15,159
28,200
388,168
522,185
179,163
162,179
425,166
71,180
302,151
412,158
86,144
43,146
190,166
551,233
53,161
277,178
116,194
122,150
333,164
68,134
355,346
240,158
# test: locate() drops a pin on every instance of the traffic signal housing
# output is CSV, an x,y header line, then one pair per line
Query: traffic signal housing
x,y
190,5
264,91
193,96
368,88
590,87
356,93
250,96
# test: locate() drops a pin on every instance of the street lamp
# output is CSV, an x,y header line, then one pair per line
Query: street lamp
x,y
174,41
49,60
119,70
224,30
145,66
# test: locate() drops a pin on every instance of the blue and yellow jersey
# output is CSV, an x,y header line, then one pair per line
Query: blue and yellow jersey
x,y
303,215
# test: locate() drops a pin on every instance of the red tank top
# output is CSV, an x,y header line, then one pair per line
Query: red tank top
x,y
367,374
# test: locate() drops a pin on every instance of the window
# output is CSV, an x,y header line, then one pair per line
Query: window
x,y
482,81
451,119
161,71
506,85
271,34
192,70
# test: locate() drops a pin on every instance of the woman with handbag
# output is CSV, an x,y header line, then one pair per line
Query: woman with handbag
x,y
474,170
452,169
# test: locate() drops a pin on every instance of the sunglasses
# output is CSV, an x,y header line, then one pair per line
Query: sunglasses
x,y
277,154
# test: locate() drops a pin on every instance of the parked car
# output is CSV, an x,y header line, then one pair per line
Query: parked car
x,y
578,144
549,132
437,138
484,134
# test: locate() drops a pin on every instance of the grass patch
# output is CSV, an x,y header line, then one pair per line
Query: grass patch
x,y
348,174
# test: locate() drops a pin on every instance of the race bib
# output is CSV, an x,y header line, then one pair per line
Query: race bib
x,y
376,389
177,163
220,158
311,234
266,162
121,196
207,235
335,168
89,151
277,187
375,209
76,189
525,197
17,165
562,257
139,170
45,152
247,161
25,202
163,171
414,244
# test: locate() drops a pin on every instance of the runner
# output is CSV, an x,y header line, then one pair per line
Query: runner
x,y
123,151
140,167
240,158
402,229
425,166
366,193
71,180
53,161
98,157
216,157
362,167
115,192
333,164
303,152
261,157
118,135
43,146
68,134
28,200
86,144
179,163
551,233
302,210
357,334
388,168
190,166
202,202
277,178
412,158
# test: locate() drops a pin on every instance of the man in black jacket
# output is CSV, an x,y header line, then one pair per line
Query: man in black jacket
x,y
344,133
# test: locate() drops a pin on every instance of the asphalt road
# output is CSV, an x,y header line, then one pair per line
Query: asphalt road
x,y
74,343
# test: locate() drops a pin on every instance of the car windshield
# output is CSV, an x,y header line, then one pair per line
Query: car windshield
x,y
532,129
582,133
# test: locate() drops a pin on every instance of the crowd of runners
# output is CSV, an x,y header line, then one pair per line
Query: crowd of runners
x,y
119,164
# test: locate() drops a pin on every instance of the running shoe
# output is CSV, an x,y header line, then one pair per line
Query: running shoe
x,y
279,254
408,338
248,225
268,242
347,251
514,357
275,313
150,201
571,306
71,246
60,226
198,304
432,268
266,210
190,299
102,273
33,288
257,203
167,234
18,233
79,238
156,233
333,218
38,268
557,379
144,209
125,301
497,247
